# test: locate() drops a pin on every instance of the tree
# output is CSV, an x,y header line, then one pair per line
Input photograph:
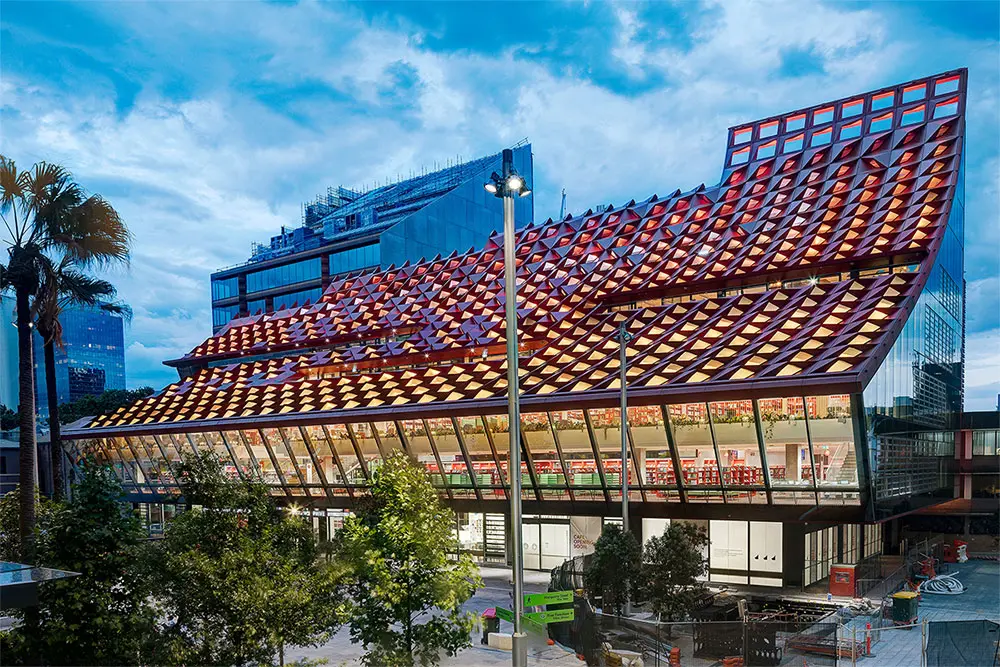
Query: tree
x,y
46,215
8,418
10,511
672,563
405,591
106,615
239,578
614,568
101,404
64,284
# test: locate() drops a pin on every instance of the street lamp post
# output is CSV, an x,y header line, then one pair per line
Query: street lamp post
x,y
623,338
506,187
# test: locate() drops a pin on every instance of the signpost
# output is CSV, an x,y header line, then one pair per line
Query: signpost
x,y
554,616
552,597
537,620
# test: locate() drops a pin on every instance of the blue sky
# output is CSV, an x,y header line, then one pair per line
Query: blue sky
x,y
207,125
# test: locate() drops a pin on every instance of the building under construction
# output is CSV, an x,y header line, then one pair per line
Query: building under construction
x,y
346,230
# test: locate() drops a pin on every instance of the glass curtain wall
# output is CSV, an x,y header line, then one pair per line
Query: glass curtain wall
x,y
794,450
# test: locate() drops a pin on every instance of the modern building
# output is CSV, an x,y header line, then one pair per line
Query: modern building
x,y
8,353
794,370
91,360
347,231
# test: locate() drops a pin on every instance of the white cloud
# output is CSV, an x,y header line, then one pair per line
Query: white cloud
x,y
201,175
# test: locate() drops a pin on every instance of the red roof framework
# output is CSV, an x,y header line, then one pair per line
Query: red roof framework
x,y
753,287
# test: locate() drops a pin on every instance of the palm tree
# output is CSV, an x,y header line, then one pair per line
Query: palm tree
x,y
64,284
47,215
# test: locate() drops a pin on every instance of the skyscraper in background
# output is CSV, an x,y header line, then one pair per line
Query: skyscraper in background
x,y
91,361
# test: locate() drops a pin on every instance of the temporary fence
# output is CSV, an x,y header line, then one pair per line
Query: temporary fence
x,y
606,640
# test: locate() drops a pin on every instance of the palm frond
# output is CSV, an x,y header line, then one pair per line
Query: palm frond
x,y
94,233
11,193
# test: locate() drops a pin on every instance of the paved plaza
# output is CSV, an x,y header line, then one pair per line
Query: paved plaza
x,y
894,648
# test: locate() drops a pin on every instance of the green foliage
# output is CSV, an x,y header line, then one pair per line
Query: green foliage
x,y
613,570
405,591
239,578
10,512
101,404
8,419
671,564
105,616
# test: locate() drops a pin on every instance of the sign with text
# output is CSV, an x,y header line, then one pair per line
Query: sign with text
x,y
505,614
552,597
532,625
554,616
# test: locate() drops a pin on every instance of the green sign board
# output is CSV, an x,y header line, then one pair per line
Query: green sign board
x,y
532,625
554,616
505,614
554,597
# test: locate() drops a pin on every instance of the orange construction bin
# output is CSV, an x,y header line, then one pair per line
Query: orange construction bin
x,y
842,580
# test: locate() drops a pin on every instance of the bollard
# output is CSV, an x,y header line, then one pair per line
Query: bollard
x,y
923,643
868,639
854,645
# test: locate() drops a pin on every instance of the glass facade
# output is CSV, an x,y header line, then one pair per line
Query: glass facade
x,y
459,220
355,258
300,298
913,402
288,274
225,288
222,314
566,455
91,361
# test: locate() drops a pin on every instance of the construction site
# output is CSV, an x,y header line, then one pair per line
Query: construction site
x,y
934,606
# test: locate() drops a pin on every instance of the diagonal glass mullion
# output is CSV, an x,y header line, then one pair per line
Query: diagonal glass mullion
x,y
403,441
106,450
176,442
668,429
136,454
526,458
126,469
597,455
362,461
468,461
307,441
336,459
812,458
378,441
437,457
762,448
295,461
718,455
640,482
232,454
229,451
257,470
274,462
194,445
166,457
562,457
496,457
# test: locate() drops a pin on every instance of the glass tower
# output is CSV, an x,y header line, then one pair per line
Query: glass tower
x,y
91,360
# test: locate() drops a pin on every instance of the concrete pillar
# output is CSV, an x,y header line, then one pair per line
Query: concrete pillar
x,y
793,465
